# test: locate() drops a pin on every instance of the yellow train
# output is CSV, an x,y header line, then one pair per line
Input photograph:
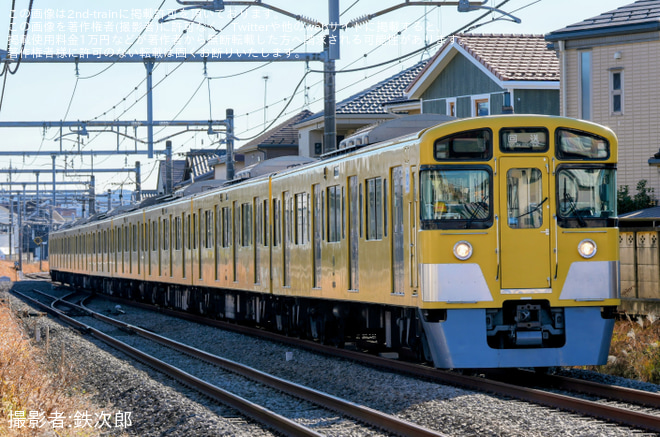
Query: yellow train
x,y
475,243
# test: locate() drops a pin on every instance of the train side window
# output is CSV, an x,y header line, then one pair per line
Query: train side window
x,y
385,207
166,234
474,144
277,230
135,238
334,214
177,233
154,236
302,218
226,227
193,232
265,225
374,209
246,224
208,234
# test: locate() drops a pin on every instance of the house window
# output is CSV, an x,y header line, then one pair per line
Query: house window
x,y
451,107
585,85
481,107
616,91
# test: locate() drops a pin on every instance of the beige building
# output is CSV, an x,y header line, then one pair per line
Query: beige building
x,y
610,74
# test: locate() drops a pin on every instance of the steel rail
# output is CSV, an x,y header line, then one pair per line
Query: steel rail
x,y
367,415
613,392
249,409
566,403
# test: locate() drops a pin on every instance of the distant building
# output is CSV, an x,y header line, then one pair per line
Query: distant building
x,y
282,140
178,167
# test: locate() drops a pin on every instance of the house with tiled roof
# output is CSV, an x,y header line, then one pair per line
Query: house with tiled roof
x,y
610,74
178,166
281,140
475,75
369,106
199,165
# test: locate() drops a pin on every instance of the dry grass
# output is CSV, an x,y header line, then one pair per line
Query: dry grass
x,y
7,268
635,350
27,385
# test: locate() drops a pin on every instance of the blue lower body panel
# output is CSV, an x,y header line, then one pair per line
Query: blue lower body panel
x,y
460,342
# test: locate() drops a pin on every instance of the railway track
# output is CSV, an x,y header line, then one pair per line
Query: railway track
x,y
389,423
38,276
525,386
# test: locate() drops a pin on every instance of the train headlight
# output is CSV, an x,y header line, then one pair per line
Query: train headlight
x,y
587,248
462,250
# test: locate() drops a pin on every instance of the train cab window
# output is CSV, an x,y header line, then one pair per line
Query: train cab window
x,y
578,145
474,144
586,196
456,198
524,140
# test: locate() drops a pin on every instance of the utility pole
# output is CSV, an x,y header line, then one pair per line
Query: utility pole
x,y
265,78
230,144
138,182
168,167
92,195
331,49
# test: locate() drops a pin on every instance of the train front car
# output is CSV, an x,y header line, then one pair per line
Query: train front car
x,y
518,242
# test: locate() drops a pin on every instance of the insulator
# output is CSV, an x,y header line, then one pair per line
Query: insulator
x,y
359,20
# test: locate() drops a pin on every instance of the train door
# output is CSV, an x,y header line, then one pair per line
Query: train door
x,y
237,240
185,243
398,261
413,218
317,218
353,234
257,241
287,239
525,227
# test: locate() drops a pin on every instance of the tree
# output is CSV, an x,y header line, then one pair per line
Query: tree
x,y
645,198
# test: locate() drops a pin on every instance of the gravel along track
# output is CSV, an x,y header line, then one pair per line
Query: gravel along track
x,y
161,407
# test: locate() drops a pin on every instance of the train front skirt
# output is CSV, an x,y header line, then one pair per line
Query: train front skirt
x,y
460,342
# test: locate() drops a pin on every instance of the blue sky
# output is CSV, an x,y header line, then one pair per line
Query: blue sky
x,y
49,92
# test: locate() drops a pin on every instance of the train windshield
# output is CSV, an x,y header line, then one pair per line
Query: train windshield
x,y
455,198
586,196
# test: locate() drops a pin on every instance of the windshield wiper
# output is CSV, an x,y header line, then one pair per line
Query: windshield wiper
x,y
574,210
532,211
473,213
